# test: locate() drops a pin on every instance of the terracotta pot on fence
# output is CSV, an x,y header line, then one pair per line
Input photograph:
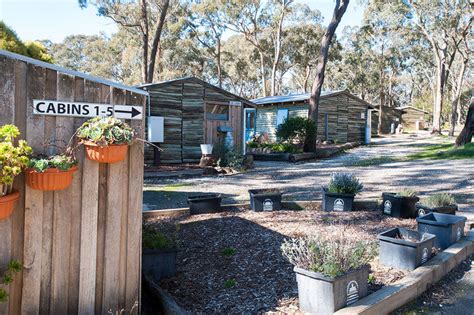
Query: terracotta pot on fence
x,y
6,204
50,179
108,154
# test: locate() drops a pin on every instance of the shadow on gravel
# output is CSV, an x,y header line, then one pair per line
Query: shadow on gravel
x,y
161,199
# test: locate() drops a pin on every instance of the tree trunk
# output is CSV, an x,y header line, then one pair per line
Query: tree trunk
x,y
306,78
218,62
277,56
338,12
467,132
262,70
156,41
145,36
457,89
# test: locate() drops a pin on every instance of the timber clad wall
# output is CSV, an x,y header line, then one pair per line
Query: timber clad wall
x,y
182,104
346,118
390,115
411,115
80,247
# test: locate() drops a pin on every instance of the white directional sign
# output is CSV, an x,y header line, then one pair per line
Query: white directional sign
x,y
80,109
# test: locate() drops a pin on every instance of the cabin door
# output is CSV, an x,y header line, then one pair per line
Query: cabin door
x,y
250,125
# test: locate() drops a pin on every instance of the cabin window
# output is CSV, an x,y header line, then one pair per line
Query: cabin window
x,y
282,115
217,112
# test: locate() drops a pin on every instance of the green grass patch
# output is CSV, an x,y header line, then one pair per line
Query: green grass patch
x,y
444,151
372,161
230,283
228,251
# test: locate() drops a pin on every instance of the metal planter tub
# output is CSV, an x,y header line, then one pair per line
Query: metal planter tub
x,y
405,249
422,209
399,206
265,199
209,203
323,295
159,263
448,228
337,202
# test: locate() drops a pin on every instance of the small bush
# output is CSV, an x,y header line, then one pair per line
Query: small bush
x,y
232,159
344,183
407,192
154,239
333,254
230,283
439,200
298,130
228,251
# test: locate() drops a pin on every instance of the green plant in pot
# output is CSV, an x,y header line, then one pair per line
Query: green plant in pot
x,y
441,203
13,159
106,139
331,268
400,204
7,278
340,192
159,252
50,173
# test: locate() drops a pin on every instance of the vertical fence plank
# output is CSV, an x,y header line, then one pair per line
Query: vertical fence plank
x,y
7,97
18,216
33,199
135,201
48,201
111,282
62,212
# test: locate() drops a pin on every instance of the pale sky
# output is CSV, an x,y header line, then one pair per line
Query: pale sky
x,y
56,19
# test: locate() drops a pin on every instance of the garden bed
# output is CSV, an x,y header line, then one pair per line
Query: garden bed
x,y
231,262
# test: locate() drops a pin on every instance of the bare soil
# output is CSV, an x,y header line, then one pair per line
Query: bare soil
x,y
256,278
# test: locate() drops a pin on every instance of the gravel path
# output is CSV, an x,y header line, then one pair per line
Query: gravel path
x,y
303,181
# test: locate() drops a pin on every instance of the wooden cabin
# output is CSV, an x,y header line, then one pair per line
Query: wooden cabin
x,y
410,116
195,112
342,117
391,115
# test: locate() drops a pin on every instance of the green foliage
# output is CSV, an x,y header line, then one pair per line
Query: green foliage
x,y
233,159
106,130
407,192
9,41
333,254
60,161
379,160
298,130
344,183
439,200
276,147
13,158
7,278
154,239
229,251
230,283
446,151
371,279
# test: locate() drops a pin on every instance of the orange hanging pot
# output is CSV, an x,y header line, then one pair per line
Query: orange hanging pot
x,y
111,153
6,204
51,179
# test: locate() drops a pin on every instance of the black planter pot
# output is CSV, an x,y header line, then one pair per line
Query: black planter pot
x,y
209,203
323,295
422,209
337,202
159,263
448,228
398,252
399,206
265,199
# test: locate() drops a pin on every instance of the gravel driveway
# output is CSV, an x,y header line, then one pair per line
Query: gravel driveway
x,y
303,181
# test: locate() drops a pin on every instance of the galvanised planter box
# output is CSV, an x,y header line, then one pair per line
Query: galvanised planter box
x,y
265,199
422,209
323,295
337,202
209,203
159,263
405,249
448,228
399,206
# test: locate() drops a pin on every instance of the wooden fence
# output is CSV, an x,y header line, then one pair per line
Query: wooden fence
x,y
80,247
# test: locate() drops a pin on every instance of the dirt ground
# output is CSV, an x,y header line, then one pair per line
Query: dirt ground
x,y
256,277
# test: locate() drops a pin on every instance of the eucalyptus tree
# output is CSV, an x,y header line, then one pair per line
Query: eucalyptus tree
x,y
339,10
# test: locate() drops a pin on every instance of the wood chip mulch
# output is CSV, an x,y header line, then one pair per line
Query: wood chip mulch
x,y
256,278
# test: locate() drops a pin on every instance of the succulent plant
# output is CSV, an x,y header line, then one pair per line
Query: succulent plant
x,y
106,130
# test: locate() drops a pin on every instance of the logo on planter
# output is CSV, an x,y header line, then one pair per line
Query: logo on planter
x,y
352,292
424,257
268,205
387,207
458,234
338,205
421,212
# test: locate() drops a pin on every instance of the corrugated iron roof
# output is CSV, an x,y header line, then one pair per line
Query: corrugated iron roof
x,y
290,97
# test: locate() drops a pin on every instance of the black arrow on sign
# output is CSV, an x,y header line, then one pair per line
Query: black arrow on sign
x,y
134,112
